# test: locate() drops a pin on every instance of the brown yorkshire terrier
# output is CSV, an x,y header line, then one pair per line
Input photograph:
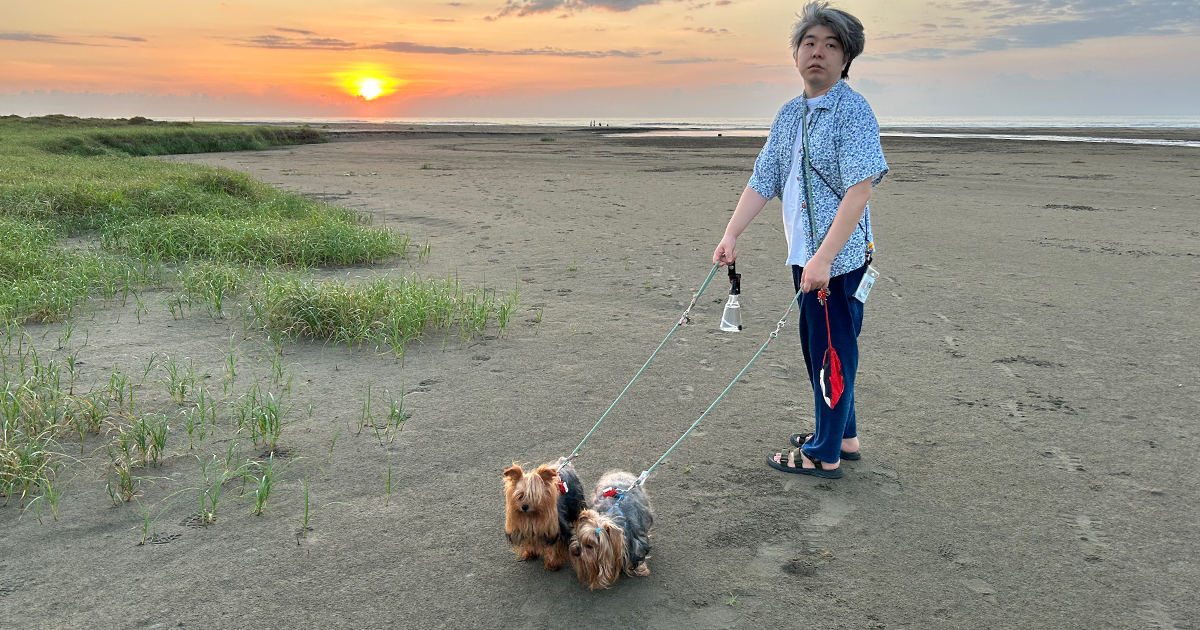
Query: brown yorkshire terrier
x,y
540,507
614,534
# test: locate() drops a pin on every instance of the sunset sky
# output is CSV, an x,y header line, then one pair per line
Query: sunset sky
x,y
587,58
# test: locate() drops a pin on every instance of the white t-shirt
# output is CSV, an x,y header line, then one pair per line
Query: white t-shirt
x,y
795,218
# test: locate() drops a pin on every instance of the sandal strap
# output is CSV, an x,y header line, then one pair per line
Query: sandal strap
x,y
795,454
816,462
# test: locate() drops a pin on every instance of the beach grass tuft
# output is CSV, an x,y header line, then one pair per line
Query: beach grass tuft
x,y
386,311
138,136
81,215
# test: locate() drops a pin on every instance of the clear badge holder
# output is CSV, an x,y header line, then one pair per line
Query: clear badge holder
x,y
868,281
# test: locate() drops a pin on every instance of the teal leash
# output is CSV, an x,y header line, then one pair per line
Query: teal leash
x,y
682,320
641,480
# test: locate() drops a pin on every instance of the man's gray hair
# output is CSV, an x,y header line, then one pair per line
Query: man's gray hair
x,y
846,28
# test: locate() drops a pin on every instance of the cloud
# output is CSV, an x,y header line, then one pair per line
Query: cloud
x,y
868,86
929,54
279,42
410,47
444,20
707,31
1092,19
298,31
39,38
127,38
522,8
694,60
887,36
1038,24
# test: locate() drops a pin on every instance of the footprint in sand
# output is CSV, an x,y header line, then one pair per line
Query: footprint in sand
x,y
815,529
947,320
1005,370
1062,460
1157,616
779,371
1087,529
886,480
195,521
687,392
981,588
769,559
952,347
1016,419
801,559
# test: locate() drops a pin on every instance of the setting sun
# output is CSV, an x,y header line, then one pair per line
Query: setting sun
x,y
368,87
368,81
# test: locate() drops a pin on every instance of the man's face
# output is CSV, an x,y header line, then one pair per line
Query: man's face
x,y
820,58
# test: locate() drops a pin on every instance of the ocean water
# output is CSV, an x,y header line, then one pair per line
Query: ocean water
x,y
758,127
748,124
910,133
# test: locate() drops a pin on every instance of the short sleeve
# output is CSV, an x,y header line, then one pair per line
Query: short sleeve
x,y
763,180
861,155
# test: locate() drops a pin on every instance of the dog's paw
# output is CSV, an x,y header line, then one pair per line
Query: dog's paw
x,y
641,570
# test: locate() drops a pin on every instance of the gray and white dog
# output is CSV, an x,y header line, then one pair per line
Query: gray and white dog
x,y
613,535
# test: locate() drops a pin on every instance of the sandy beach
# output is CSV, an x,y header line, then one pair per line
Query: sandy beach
x,y
1026,397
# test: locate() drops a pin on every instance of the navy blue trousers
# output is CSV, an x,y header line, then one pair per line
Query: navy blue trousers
x,y
845,322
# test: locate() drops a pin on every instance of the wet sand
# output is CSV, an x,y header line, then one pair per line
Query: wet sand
x,y
1025,399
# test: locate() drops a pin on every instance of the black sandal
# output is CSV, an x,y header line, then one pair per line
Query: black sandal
x,y
819,471
798,440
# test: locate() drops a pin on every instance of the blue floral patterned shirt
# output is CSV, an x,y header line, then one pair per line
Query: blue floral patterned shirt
x,y
843,136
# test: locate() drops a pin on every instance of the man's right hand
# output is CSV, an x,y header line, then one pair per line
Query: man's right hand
x,y
725,252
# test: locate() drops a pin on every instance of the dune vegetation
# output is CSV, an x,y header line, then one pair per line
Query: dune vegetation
x,y
87,219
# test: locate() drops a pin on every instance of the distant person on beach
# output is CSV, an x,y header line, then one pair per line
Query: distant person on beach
x,y
823,173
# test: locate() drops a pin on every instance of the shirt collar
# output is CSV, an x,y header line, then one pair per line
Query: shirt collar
x,y
831,98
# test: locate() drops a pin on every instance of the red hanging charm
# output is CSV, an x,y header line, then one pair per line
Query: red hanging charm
x,y
832,381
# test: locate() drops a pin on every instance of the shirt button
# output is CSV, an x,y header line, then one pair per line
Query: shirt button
x,y
803,206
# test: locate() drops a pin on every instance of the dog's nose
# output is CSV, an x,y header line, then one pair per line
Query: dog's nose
x,y
524,507
576,552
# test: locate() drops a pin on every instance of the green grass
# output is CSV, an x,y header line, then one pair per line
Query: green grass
x,y
81,214
83,217
139,136
388,312
324,239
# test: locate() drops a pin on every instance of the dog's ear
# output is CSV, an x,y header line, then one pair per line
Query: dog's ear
x,y
584,516
547,473
514,473
619,556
